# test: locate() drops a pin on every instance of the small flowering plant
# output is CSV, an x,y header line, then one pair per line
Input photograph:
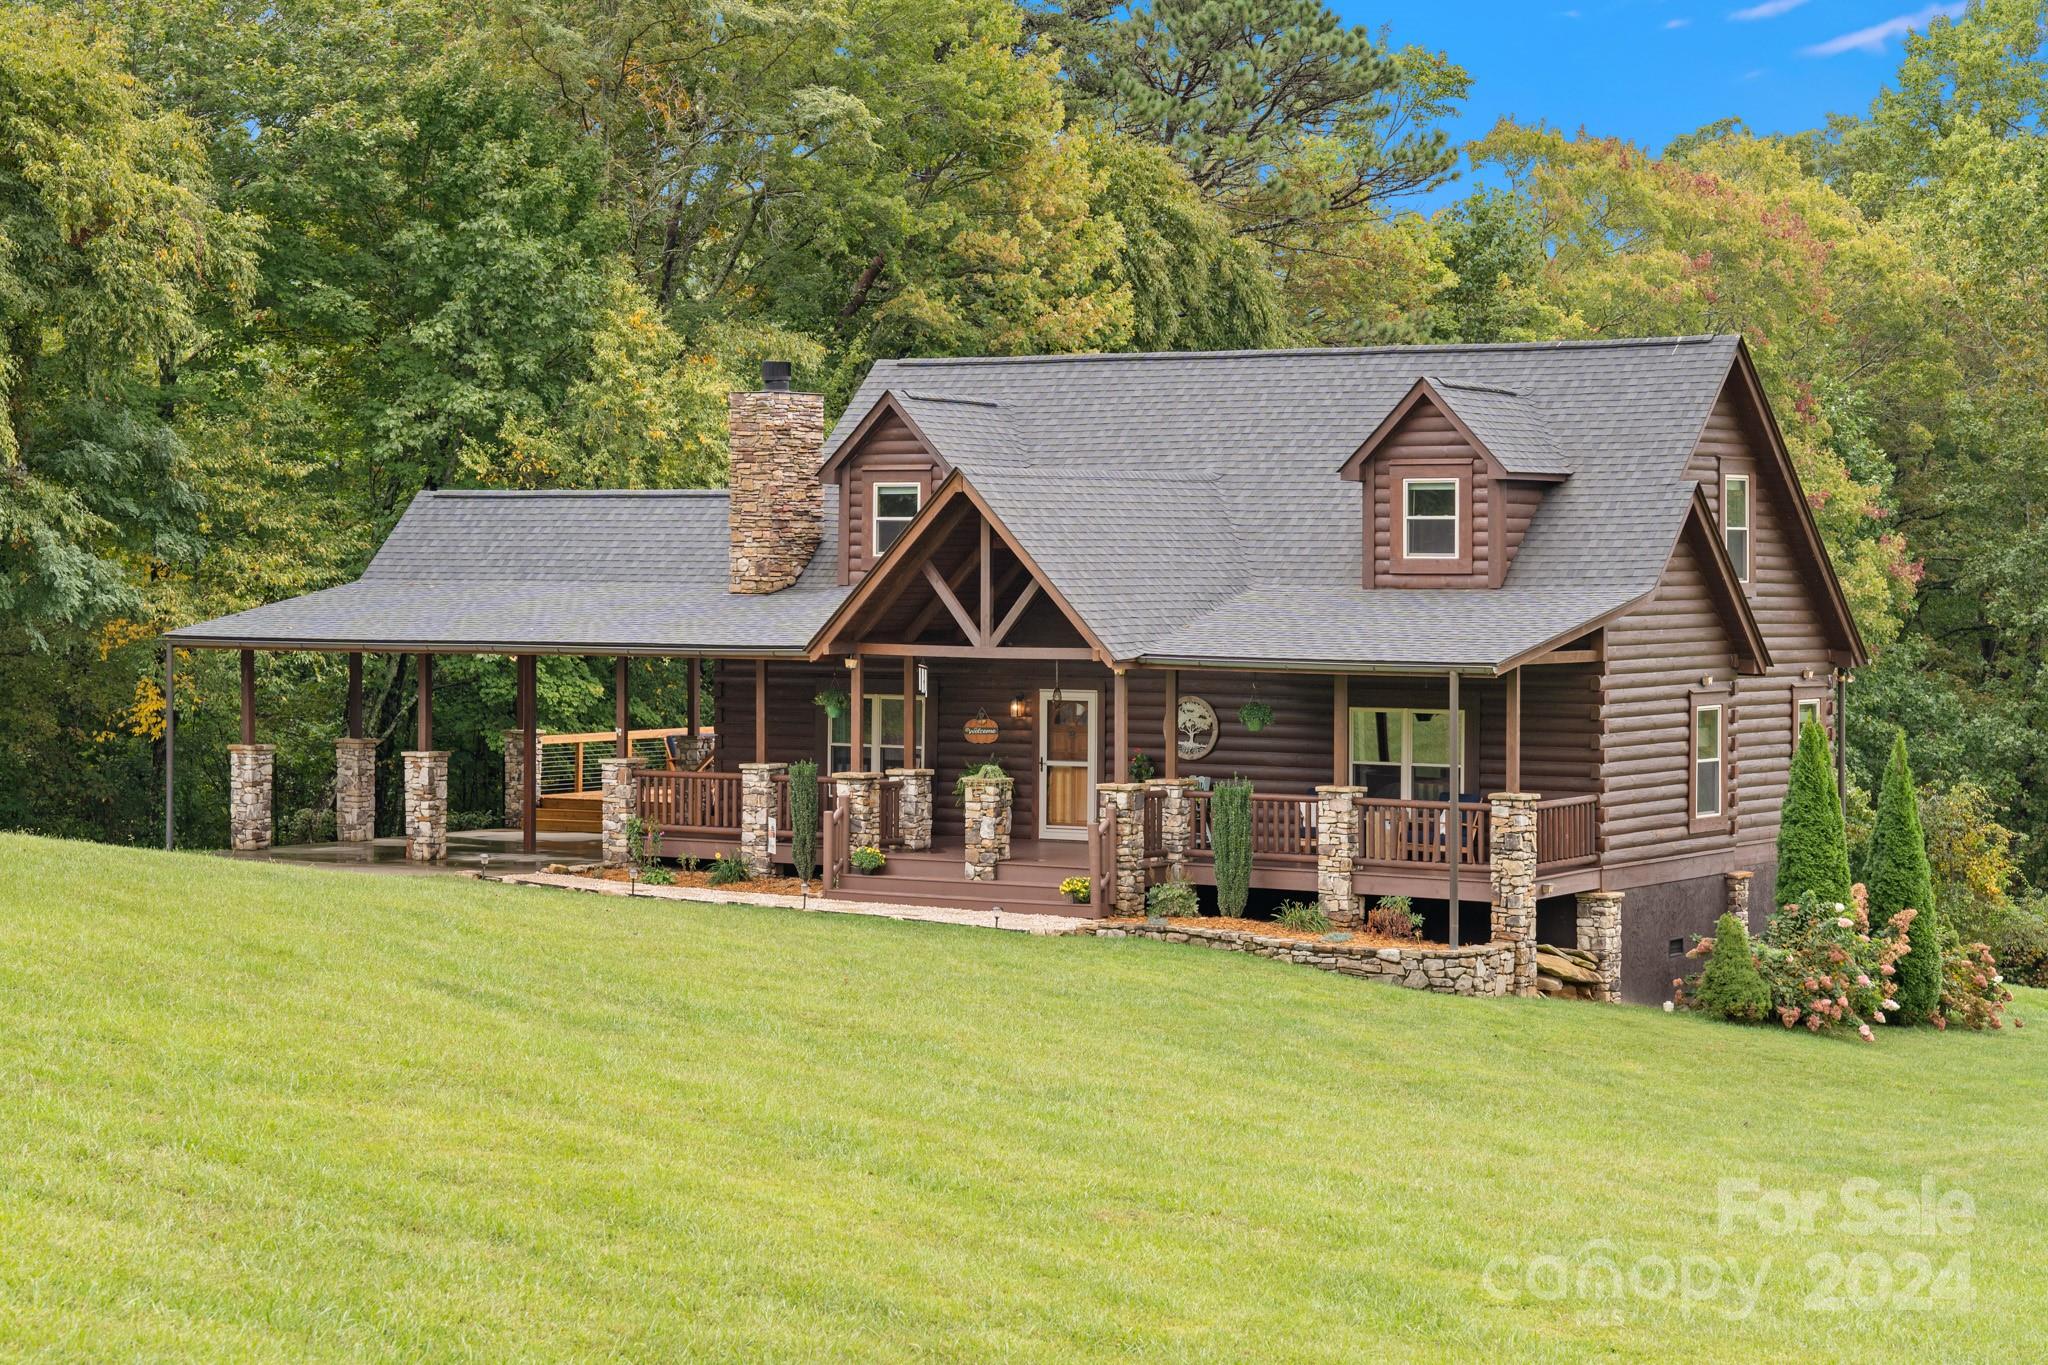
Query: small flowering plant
x,y
1075,889
1826,969
1973,994
867,859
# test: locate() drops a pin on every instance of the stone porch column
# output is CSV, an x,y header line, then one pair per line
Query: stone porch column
x,y
1176,823
515,778
758,805
863,793
355,790
619,781
987,800
1125,803
1739,887
1511,852
426,805
1599,933
250,771
914,809
1340,832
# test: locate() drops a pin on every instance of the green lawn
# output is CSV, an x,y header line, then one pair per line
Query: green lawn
x,y
255,1112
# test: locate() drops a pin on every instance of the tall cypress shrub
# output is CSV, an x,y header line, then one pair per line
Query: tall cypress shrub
x,y
803,818
1813,850
1230,836
1900,879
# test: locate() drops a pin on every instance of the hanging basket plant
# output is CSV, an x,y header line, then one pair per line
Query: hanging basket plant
x,y
833,702
1255,715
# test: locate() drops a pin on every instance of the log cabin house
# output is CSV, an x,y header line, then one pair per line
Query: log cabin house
x,y
1573,590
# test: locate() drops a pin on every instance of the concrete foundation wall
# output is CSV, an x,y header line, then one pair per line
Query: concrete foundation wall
x,y
1653,916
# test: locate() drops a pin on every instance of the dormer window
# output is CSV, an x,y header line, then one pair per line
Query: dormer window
x,y
1735,521
896,507
1429,522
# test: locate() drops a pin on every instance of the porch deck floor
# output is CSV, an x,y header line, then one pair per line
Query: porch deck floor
x,y
467,853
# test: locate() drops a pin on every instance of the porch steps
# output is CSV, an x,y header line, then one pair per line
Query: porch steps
x,y
938,878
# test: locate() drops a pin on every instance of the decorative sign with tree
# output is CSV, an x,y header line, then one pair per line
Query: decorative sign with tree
x,y
1195,722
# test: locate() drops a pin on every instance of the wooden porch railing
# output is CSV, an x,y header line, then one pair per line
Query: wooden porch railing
x,y
1567,830
690,803
1414,832
1399,833
571,765
784,821
1283,827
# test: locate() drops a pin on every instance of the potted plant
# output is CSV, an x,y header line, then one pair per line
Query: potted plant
x,y
1076,890
833,701
1141,769
1255,715
868,860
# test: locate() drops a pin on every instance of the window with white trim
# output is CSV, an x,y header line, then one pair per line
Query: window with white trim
x,y
1735,521
1707,776
881,735
896,507
1429,518
1404,755
1809,712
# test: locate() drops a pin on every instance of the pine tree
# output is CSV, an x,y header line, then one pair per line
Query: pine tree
x,y
1901,879
1731,987
1230,835
1813,850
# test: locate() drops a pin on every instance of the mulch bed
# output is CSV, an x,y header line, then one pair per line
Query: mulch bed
x,y
771,886
1269,929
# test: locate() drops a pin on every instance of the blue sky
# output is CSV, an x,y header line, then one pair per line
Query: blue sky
x,y
1649,70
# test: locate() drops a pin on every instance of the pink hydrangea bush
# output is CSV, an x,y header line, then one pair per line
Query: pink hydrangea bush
x,y
1827,970
1973,994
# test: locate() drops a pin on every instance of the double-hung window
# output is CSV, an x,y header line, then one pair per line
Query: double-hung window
x,y
1708,778
1429,519
881,736
1404,755
896,507
1735,522
1807,711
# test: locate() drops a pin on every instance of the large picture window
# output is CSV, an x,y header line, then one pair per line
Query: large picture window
x,y
1404,754
896,507
1735,522
881,736
1429,519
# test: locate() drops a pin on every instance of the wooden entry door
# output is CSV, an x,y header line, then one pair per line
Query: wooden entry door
x,y
1068,741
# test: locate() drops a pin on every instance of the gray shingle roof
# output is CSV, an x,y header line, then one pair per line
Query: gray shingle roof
x,y
1512,429
550,571
1188,504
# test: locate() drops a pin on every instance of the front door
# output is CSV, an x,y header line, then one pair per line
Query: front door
x,y
1067,745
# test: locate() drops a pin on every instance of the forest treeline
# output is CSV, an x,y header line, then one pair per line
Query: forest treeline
x,y
269,269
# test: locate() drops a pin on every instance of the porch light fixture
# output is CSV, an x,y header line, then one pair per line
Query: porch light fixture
x,y
1019,707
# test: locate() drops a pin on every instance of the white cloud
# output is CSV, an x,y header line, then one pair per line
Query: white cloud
x,y
1676,23
1874,38
1769,9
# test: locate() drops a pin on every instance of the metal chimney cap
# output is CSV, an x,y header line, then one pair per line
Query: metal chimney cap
x,y
775,376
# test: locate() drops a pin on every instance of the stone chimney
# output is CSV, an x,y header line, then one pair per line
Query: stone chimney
x,y
777,510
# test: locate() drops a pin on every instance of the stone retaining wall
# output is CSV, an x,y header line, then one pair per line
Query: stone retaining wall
x,y
1476,969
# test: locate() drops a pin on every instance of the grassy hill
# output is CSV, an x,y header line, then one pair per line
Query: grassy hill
x,y
255,1112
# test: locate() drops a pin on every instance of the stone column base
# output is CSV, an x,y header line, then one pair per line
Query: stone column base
x,y
1124,802
863,793
619,780
355,790
759,801
1176,823
987,800
250,771
1599,933
914,806
1340,831
426,805
1739,884
1512,855
515,778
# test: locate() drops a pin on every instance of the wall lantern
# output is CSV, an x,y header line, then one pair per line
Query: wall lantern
x,y
1020,706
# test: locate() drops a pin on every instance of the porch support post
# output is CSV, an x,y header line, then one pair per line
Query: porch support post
x,y
1454,827
1514,730
910,735
760,710
1121,687
856,727
696,667
426,805
862,792
1170,736
355,695
355,789
250,771
987,800
170,745
529,749
757,813
1176,823
1841,742
1340,824
1124,803
423,710
620,779
622,734
1511,856
1599,933
1340,729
